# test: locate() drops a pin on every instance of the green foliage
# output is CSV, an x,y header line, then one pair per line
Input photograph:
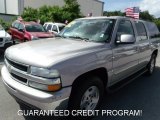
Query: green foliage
x,y
145,15
69,11
5,25
157,21
30,14
114,13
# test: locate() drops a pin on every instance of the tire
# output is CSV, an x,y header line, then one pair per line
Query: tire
x,y
24,40
151,65
14,42
87,95
7,45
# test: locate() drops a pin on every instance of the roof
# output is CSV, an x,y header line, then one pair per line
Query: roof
x,y
26,23
110,17
54,23
102,17
99,1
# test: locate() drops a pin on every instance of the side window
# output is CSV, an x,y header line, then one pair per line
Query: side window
x,y
141,30
13,25
49,27
45,25
54,28
16,25
153,30
125,27
21,27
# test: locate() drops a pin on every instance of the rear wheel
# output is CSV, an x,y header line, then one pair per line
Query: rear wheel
x,y
151,65
87,95
13,40
24,40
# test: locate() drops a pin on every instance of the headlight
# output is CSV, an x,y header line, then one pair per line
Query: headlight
x,y
8,37
34,38
53,82
45,87
43,72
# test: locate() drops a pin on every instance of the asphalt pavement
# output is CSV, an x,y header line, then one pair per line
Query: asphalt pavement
x,y
141,94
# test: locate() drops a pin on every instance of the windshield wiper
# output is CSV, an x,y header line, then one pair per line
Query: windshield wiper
x,y
59,36
78,37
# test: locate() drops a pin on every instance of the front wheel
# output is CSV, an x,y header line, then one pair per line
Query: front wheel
x,y
87,95
151,65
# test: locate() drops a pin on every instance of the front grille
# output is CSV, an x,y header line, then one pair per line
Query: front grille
x,y
1,39
19,78
17,65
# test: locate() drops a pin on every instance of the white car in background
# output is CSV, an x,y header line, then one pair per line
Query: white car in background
x,y
54,27
5,38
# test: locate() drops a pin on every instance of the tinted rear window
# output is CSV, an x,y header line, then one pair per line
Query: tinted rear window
x,y
34,28
153,30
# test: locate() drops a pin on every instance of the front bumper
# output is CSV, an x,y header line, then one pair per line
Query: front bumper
x,y
5,43
39,99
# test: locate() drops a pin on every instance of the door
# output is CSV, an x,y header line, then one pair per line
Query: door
x,y
54,29
20,32
125,56
144,46
14,30
49,28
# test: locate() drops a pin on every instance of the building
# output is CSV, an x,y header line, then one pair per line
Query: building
x,y
10,8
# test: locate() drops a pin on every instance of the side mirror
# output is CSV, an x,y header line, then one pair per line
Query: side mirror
x,y
125,39
21,30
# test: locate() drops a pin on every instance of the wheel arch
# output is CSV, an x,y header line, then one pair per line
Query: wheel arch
x,y
99,72
155,52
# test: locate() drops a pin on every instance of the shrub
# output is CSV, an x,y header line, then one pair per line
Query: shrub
x,y
69,11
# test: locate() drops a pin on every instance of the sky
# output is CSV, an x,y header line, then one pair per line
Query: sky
x,y
153,6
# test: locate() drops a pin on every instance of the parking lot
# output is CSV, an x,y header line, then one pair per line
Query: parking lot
x,y
141,94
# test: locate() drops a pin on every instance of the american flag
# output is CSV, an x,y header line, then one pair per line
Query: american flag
x,y
133,12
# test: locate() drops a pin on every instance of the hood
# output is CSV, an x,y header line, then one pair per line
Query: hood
x,y
41,34
45,53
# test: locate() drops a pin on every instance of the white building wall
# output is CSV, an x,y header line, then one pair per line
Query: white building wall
x,y
91,6
2,6
39,3
12,7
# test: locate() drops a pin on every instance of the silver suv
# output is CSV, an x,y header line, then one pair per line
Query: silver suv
x,y
5,38
89,56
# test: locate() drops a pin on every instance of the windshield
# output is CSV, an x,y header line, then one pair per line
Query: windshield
x,y
34,28
61,27
97,30
1,28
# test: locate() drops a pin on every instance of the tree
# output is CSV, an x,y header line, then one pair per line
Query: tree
x,y
70,11
114,13
30,14
145,15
